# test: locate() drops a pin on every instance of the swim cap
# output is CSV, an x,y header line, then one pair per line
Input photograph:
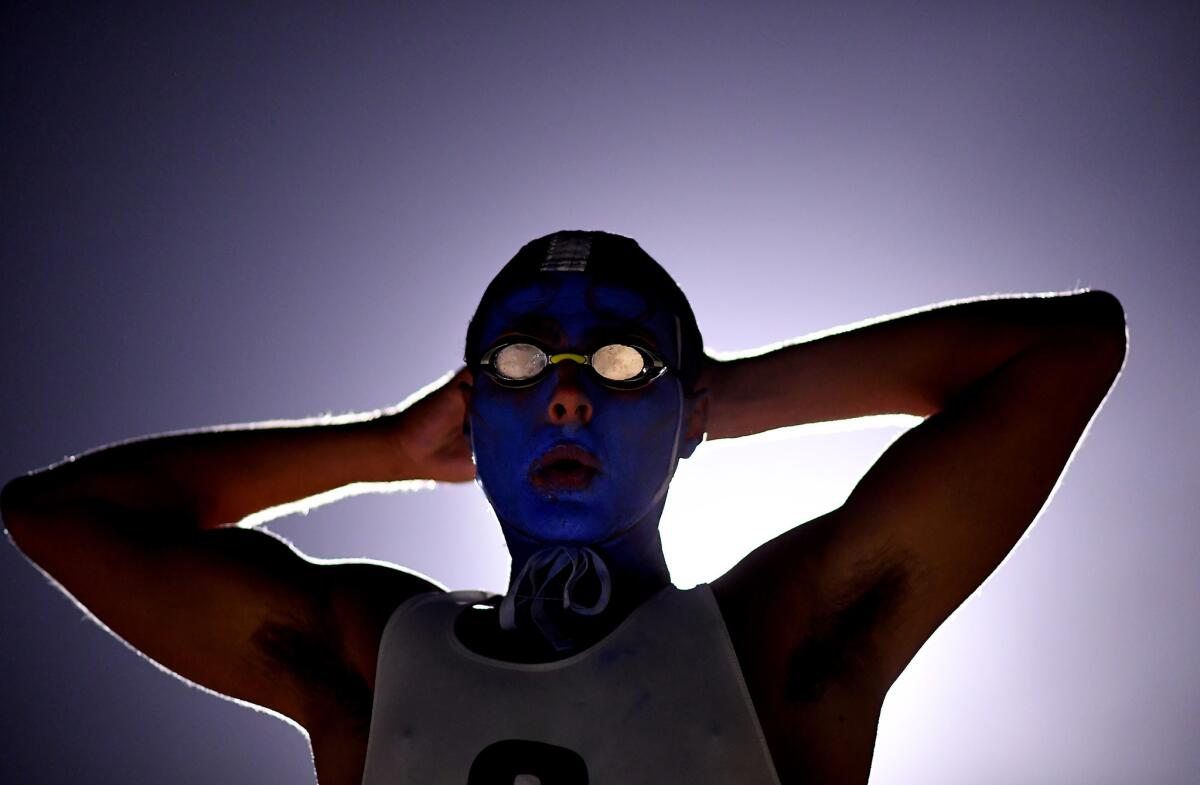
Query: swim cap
x,y
608,258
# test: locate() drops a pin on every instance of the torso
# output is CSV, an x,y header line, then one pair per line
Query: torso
x,y
818,715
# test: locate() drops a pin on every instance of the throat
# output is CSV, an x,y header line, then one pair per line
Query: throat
x,y
564,597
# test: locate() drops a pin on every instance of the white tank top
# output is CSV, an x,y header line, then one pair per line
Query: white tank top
x,y
660,700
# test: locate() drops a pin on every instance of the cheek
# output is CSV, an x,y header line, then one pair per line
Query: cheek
x,y
641,435
492,424
503,412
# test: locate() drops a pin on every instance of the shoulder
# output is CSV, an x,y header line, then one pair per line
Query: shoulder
x,y
332,656
363,595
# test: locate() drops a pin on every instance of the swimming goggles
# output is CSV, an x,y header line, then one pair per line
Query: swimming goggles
x,y
523,363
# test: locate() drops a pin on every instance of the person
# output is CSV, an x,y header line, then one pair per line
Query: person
x,y
585,383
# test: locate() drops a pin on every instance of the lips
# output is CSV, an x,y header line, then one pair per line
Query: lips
x,y
565,467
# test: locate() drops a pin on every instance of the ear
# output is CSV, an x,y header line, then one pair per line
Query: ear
x,y
696,422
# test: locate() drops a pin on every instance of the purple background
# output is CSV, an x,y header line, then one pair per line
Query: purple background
x,y
215,216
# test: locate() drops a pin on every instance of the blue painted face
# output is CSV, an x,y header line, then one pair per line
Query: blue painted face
x,y
569,459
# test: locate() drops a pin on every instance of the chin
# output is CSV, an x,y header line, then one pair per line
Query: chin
x,y
566,520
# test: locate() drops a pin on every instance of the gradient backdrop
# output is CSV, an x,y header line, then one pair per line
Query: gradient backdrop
x,y
229,215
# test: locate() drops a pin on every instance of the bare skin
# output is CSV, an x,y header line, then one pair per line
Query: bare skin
x,y
147,530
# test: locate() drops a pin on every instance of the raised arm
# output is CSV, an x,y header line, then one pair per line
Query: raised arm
x,y
1007,386
910,363
143,534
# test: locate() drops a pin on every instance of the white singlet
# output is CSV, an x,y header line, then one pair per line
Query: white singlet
x,y
660,700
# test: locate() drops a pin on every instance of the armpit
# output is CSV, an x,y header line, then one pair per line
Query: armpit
x,y
839,645
311,657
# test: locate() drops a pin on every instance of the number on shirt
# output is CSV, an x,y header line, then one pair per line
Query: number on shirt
x,y
522,762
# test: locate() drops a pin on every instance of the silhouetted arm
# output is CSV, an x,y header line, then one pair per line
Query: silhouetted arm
x,y
216,477
909,363
142,535
1009,386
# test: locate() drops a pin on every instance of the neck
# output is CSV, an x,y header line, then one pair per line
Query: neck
x,y
637,571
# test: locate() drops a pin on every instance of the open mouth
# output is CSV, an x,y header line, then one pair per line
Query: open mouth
x,y
565,467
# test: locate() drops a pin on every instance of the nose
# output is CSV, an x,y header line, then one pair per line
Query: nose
x,y
569,405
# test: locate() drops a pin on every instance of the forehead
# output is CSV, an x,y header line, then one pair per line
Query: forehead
x,y
571,308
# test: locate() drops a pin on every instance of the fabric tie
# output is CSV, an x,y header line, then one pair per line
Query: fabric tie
x,y
539,572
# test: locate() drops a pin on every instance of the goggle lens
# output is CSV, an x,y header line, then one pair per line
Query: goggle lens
x,y
618,362
520,361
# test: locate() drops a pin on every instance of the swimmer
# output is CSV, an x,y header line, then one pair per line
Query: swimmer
x,y
584,384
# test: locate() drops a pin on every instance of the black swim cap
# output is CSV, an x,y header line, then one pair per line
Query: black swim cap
x,y
608,258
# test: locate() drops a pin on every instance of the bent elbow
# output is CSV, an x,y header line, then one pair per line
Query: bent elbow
x,y
24,512
1102,310
1102,315
14,506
